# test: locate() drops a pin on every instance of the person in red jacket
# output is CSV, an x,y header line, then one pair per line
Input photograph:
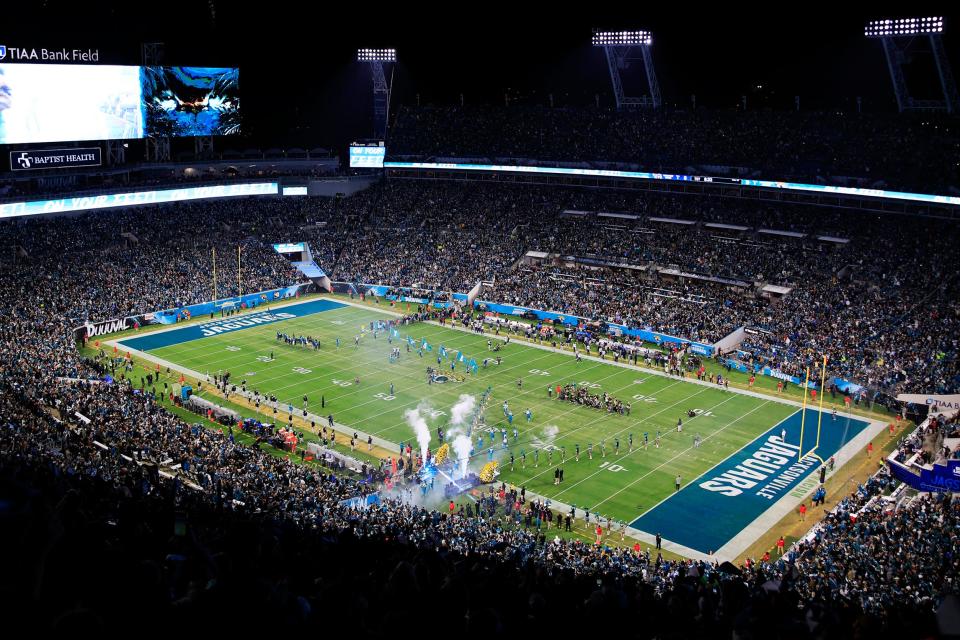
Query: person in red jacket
x,y
780,544
803,511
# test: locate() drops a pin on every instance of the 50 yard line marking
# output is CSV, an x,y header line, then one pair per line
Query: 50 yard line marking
x,y
282,363
595,364
439,330
309,354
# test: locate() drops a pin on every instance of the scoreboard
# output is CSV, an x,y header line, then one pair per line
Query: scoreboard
x,y
367,155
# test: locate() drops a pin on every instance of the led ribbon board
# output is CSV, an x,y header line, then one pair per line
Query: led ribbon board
x,y
135,198
644,175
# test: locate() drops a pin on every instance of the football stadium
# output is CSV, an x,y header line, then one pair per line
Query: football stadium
x,y
578,330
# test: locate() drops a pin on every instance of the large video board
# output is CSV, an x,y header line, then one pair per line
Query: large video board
x,y
63,102
367,155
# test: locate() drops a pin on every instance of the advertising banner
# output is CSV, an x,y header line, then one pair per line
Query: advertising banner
x,y
938,477
642,334
942,402
90,330
33,159
249,301
645,175
736,365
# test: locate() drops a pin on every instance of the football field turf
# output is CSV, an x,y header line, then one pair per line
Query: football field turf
x,y
623,484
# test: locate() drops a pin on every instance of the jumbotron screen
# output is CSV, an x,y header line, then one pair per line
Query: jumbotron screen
x,y
62,102
367,156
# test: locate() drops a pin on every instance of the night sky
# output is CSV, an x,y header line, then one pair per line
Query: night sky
x,y
301,85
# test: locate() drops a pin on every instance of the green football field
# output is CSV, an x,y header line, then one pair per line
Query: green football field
x,y
621,485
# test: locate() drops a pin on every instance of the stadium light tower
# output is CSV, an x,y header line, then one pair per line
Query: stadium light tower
x,y
619,46
896,36
381,88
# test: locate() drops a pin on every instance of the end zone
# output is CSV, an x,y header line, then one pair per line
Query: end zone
x,y
219,326
746,494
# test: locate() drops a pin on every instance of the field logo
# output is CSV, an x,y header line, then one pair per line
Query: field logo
x,y
767,467
225,326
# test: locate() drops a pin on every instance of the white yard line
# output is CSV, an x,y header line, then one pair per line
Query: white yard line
x,y
629,453
238,360
597,363
660,466
760,526
686,399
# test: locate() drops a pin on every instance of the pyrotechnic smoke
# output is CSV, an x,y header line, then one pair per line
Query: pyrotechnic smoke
x,y
462,409
551,431
461,446
419,425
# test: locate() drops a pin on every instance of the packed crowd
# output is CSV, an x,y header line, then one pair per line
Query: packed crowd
x,y
439,237
425,294
929,443
779,145
878,556
110,488
875,294
677,310
107,497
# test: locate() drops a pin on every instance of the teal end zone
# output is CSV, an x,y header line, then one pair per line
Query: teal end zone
x,y
710,511
227,325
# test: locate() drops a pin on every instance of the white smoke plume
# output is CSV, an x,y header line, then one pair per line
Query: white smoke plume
x,y
461,446
418,423
551,431
462,410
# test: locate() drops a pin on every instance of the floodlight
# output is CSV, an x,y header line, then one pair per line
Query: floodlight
x,y
377,55
903,27
621,38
